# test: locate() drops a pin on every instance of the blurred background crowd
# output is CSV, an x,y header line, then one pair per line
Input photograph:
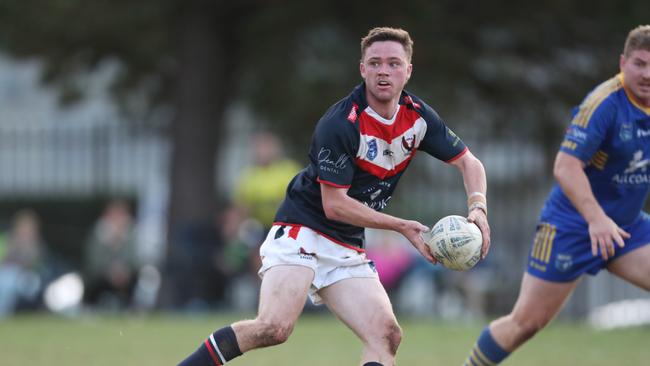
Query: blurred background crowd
x,y
144,146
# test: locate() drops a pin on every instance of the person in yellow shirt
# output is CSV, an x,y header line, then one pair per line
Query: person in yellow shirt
x,y
261,187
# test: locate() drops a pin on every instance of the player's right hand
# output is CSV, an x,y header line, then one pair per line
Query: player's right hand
x,y
603,233
413,231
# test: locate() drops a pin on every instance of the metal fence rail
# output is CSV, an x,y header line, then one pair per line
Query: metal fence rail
x,y
108,159
97,159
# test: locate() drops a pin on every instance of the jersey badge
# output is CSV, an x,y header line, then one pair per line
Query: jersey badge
x,y
625,134
563,262
372,149
408,143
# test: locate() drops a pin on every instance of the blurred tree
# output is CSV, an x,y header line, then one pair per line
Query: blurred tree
x,y
180,53
519,70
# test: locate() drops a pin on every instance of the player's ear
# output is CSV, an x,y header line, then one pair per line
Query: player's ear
x,y
362,70
409,70
621,62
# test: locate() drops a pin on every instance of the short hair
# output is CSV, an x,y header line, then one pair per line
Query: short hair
x,y
637,39
388,34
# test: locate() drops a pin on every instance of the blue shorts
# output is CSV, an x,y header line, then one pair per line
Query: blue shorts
x,y
562,253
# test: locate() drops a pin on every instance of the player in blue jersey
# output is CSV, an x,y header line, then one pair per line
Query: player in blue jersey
x,y
592,219
359,151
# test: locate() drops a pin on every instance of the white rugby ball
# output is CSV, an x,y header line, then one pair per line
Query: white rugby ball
x,y
455,242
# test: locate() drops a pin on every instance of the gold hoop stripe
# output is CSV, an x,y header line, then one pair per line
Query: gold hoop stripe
x,y
477,358
599,159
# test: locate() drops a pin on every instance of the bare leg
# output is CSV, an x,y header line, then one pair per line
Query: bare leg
x,y
538,303
362,304
282,298
634,267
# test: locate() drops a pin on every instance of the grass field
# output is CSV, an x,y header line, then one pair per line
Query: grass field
x,y
318,340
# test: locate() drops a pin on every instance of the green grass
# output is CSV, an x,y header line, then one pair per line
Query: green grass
x,y
318,340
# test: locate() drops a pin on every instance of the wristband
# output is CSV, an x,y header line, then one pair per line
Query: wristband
x,y
480,205
476,197
477,193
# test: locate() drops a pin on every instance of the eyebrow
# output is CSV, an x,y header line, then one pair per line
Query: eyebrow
x,y
392,58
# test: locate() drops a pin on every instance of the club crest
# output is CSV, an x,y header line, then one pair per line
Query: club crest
x,y
372,149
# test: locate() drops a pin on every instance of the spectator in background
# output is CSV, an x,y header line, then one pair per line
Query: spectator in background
x,y
111,265
261,187
259,191
23,265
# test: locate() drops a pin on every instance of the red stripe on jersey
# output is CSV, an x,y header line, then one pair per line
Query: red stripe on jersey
x,y
332,184
212,354
383,173
323,235
404,120
458,156
293,232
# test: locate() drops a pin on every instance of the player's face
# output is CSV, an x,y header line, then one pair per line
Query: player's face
x,y
636,68
386,69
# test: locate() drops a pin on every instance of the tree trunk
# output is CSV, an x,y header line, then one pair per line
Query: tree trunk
x,y
203,91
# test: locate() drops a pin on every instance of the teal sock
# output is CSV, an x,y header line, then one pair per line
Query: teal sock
x,y
486,351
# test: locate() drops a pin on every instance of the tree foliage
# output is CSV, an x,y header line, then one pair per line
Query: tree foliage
x,y
507,68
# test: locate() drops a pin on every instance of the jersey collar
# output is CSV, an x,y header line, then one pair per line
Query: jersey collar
x,y
633,99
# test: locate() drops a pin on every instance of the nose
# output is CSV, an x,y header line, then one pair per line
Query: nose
x,y
383,69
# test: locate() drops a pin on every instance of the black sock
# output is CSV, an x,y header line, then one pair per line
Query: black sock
x,y
219,348
372,364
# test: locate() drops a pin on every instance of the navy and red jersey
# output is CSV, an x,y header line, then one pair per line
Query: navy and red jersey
x,y
353,147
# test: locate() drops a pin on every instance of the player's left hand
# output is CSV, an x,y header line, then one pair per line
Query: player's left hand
x,y
413,231
479,218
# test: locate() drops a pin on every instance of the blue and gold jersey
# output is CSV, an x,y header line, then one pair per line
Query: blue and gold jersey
x,y
610,132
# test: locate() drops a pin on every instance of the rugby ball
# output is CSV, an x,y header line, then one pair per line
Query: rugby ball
x,y
455,242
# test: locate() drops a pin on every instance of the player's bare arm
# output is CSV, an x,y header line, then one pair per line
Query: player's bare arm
x,y
475,183
603,231
341,207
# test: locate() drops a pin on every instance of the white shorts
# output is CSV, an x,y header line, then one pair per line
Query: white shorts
x,y
300,245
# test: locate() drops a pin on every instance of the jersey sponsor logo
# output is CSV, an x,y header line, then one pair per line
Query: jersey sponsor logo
x,y
576,134
569,145
332,164
637,163
537,266
372,149
642,133
378,205
303,254
454,136
376,190
635,173
626,132
563,262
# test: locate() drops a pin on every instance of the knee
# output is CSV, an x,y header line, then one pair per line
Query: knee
x,y
390,337
273,333
393,337
527,327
